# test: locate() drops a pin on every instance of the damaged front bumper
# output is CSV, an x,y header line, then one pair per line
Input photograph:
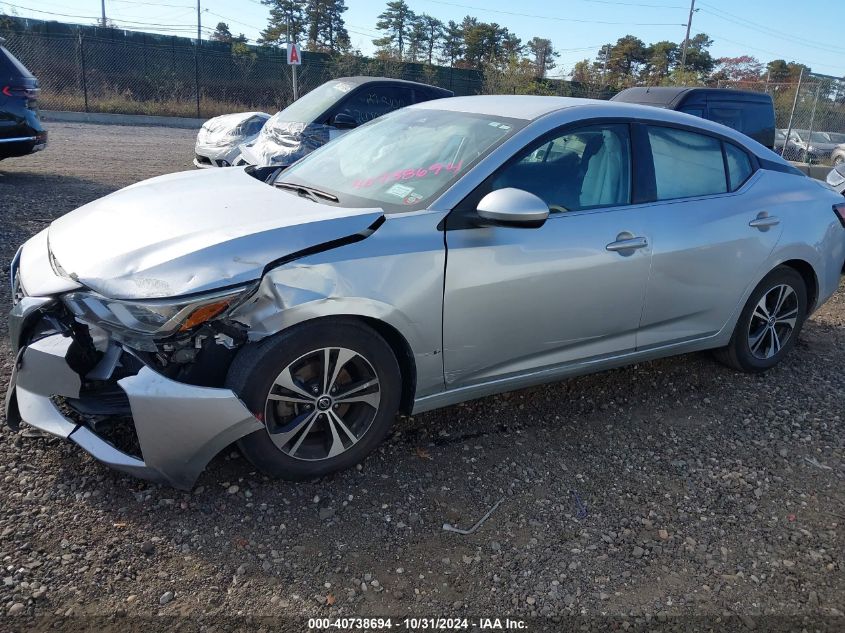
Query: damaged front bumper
x,y
179,427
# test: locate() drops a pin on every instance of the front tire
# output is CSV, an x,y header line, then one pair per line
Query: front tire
x,y
769,324
327,392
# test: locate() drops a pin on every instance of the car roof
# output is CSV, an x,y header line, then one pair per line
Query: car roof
x,y
363,79
671,96
530,108
526,107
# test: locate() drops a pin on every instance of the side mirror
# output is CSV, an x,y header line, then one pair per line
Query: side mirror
x,y
512,207
343,121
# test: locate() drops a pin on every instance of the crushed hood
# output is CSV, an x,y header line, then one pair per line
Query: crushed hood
x,y
282,143
191,232
220,130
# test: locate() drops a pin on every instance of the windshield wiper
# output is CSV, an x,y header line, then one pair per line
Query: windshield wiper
x,y
307,191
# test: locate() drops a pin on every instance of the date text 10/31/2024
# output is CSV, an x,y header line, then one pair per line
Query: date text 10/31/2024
x,y
416,624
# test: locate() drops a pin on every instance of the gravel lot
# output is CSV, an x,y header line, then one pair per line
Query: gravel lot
x,y
667,494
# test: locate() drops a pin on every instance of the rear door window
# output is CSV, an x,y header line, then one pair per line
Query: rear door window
x,y
686,164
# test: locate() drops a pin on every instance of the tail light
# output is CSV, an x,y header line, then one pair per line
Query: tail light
x,y
20,91
839,210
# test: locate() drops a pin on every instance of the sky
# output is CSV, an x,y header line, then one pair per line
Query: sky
x,y
807,32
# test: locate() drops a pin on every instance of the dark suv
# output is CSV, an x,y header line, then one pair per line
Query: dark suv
x,y
752,113
21,131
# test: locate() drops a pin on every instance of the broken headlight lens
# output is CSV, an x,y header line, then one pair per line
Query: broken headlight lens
x,y
152,318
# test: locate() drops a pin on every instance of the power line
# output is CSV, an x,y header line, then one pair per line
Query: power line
x,y
765,30
763,50
551,17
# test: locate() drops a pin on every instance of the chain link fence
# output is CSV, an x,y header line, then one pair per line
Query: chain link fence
x,y
92,69
809,112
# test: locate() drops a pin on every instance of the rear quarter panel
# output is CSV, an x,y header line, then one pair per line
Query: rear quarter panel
x,y
811,230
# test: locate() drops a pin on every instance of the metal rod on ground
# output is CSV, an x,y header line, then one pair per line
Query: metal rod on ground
x,y
103,13
812,123
792,114
199,22
686,39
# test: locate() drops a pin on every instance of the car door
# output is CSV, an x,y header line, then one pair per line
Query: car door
x,y
710,231
520,299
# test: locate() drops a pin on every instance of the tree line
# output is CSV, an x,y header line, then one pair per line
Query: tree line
x,y
408,36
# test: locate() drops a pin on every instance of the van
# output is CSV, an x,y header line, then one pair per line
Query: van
x,y
751,113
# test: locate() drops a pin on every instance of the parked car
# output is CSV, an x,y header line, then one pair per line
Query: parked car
x,y
837,156
295,314
21,130
219,139
836,178
752,113
803,144
793,150
327,112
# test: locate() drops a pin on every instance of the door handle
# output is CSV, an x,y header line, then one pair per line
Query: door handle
x,y
627,243
764,221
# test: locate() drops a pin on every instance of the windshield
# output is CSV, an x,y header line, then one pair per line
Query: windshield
x,y
309,106
836,137
402,161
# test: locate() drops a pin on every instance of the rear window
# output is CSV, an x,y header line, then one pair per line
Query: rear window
x,y
10,66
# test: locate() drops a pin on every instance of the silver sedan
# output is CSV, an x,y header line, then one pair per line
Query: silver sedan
x,y
446,251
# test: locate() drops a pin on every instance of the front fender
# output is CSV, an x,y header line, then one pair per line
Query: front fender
x,y
394,276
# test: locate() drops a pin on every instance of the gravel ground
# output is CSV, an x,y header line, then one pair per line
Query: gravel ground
x,y
674,493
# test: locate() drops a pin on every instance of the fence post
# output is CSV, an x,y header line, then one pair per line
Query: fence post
x,y
792,114
812,121
197,75
82,67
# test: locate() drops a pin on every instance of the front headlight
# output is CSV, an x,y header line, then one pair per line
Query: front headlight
x,y
151,318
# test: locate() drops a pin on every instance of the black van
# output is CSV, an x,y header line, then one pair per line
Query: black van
x,y
752,113
21,131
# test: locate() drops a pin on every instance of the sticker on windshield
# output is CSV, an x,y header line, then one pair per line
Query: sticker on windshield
x,y
501,126
413,198
400,191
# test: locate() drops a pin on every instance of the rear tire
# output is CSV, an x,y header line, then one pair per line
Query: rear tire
x,y
769,323
327,392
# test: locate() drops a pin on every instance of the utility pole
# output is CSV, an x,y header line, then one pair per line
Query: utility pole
x,y
686,39
199,23
103,12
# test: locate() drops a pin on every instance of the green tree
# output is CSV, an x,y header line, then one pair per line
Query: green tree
x,y
452,44
432,31
396,21
282,14
543,54
699,60
326,28
625,58
222,33
661,58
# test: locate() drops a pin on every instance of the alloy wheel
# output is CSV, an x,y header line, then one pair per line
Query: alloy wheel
x,y
773,321
322,403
